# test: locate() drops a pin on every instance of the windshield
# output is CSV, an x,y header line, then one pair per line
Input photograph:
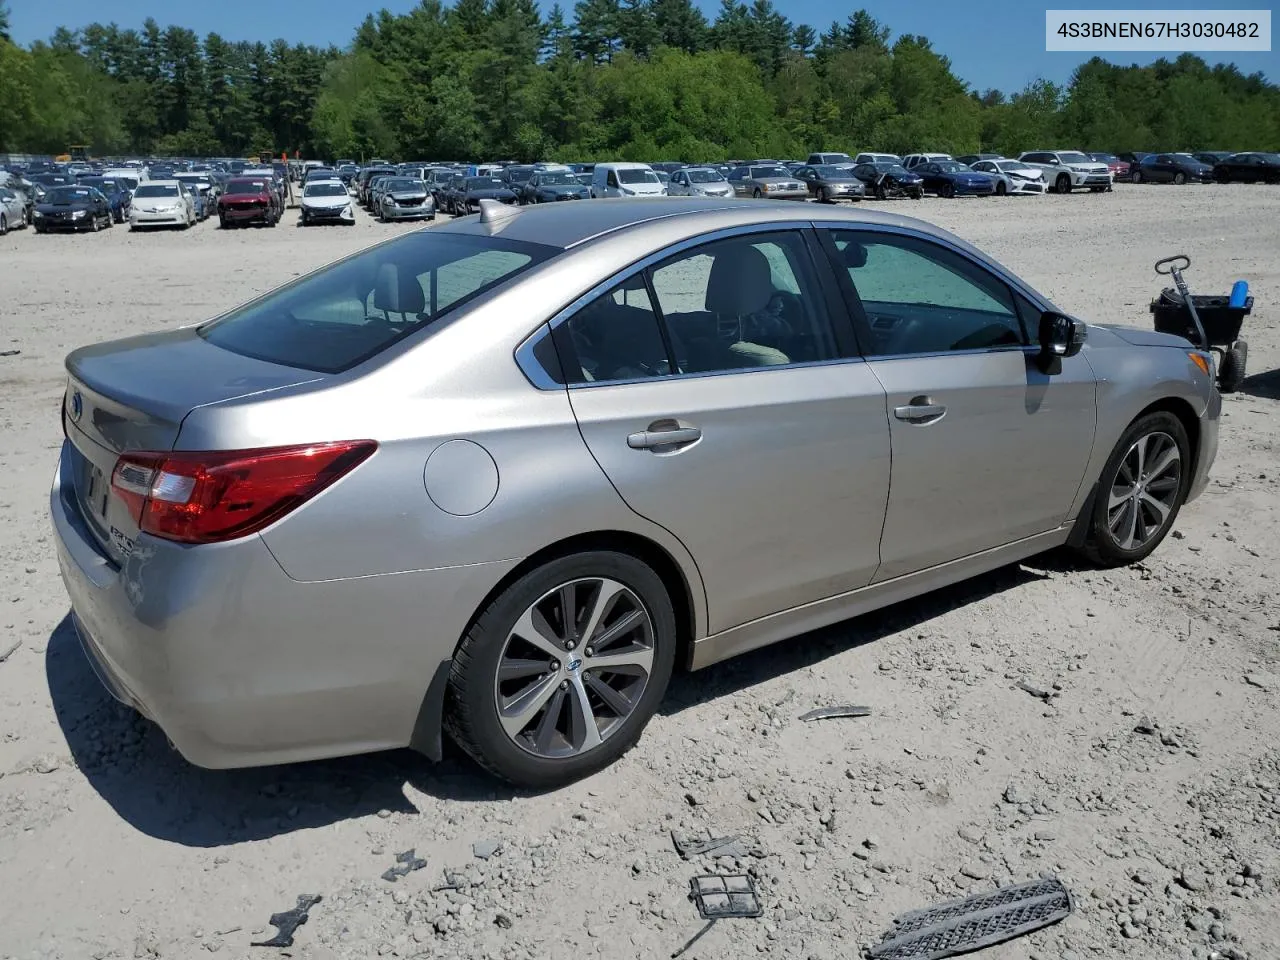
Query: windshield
x,y
765,173
556,179
401,183
637,176
156,190
951,166
519,173
1015,166
704,176
106,186
334,319
1104,157
245,186
1186,156
1072,156
68,195
830,172
325,188
485,183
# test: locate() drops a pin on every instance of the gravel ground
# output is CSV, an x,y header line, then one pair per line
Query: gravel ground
x,y
1147,777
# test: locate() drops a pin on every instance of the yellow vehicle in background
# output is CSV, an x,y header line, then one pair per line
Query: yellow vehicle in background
x,y
77,153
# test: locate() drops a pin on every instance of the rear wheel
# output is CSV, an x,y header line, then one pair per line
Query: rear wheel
x,y
1140,492
1001,189
1135,176
1062,184
1179,178
4,224
558,676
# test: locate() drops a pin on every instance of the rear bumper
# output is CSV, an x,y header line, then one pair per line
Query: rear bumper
x,y
241,665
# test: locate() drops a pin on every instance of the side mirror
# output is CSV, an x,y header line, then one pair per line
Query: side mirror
x,y
1060,336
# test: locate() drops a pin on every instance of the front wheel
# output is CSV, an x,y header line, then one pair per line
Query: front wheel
x,y
756,194
947,191
559,675
1063,183
1001,189
1179,178
1135,176
1140,492
4,224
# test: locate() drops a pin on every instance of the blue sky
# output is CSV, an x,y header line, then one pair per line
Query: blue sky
x,y
992,43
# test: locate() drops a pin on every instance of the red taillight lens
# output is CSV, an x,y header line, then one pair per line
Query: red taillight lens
x,y
219,495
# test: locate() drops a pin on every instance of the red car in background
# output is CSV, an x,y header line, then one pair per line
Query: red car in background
x,y
249,200
1119,168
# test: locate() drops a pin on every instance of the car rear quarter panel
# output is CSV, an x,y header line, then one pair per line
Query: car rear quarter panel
x,y
455,384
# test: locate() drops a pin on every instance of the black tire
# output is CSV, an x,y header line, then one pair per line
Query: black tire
x,y
1100,546
1231,373
1135,176
881,193
4,224
1179,178
1062,184
948,191
471,714
756,194
1001,189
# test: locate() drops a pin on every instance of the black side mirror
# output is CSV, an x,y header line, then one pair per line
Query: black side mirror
x,y
1060,336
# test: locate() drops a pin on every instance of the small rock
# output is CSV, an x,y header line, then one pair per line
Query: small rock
x,y
1015,794
970,834
1146,726
871,843
484,849
384,813
1259,680
1129,931
1193,880
502,921
46,764
976,871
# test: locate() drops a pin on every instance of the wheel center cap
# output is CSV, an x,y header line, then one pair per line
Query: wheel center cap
x,y
573,665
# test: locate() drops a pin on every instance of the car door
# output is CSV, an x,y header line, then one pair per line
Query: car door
x,y
987,450
723,403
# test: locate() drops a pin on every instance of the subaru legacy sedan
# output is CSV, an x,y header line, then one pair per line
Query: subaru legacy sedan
x,y
500,478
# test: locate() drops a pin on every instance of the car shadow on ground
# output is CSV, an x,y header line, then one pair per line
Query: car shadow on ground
x,y
128,760
1265,385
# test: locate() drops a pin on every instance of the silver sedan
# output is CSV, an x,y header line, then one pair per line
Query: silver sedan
x,y
767,182
502,477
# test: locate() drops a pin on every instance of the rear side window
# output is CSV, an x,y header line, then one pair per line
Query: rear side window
x,y
347,313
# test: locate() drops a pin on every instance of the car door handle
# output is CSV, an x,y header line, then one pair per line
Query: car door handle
x,y
920,410
674,437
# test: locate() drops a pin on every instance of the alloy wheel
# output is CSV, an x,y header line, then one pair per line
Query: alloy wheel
x,y
1145,490
574,667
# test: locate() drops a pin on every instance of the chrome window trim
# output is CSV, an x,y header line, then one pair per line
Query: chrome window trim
x,y
536,375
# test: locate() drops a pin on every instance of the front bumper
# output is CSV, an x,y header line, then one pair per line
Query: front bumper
x,y
241,665
396,211
1026,186
244,214
974,189
1090,179
1207,449
802,194
336,214
141,218
59,223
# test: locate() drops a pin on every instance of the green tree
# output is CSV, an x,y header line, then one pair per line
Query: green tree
x,y
680,25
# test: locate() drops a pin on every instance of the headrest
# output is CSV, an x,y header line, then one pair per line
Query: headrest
x,y
854,255
398,291
740,282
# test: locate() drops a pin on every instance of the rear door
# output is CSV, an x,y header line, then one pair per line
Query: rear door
x,y
722,402
987,450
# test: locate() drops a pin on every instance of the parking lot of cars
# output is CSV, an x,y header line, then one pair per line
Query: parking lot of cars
x,y
957,772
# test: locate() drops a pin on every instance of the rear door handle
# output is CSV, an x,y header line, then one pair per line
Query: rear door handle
x,y
920,410
675,437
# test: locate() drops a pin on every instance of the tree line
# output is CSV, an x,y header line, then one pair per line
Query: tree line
x,y
634,79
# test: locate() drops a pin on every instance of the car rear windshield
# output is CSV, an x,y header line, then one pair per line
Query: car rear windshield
x,y
344,314
156,190
768,173
832,172
485,183
1072,157
556,179
68,194
248,186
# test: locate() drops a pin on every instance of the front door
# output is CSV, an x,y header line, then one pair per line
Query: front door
x,y
716,395
987,450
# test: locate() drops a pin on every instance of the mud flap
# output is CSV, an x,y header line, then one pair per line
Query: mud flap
x,y
960,926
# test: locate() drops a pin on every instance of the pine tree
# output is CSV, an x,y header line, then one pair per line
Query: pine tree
x,y
680,25
596,32
637,30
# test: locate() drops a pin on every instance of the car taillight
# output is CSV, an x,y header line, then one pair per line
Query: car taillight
x,y
219,495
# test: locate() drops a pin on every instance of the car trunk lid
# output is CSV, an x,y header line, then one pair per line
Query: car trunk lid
x,y
132,395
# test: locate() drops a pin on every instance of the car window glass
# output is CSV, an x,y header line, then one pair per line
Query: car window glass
x,y
742,303
920,297
615,337
613,179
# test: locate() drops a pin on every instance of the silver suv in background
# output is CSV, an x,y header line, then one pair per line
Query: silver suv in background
x,y
429,486
1066,169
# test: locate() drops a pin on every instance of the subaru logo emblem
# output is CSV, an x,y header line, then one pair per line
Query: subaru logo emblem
x,y
574,664
77,405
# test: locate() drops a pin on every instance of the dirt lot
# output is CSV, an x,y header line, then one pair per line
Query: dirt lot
x,y
112,846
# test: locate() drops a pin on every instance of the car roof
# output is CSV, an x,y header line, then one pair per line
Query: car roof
x,y
567,225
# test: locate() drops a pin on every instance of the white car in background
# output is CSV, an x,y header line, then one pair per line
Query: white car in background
x,y
326,201
161,203
625,180
13,210
1013,176
877,158
912,160
699,182
1065,169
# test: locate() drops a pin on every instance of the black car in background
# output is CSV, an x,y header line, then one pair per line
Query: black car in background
x,y
885,179
464,194
1212,157
1253,167
828,183
72,208
548,186
118,196
1170,168
1134,160
517,175
367,174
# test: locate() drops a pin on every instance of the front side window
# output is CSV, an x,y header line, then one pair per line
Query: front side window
x,y
332,320
921,298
